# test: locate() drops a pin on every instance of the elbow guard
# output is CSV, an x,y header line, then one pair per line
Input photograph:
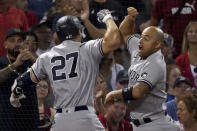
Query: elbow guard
x,y
21,83
127,93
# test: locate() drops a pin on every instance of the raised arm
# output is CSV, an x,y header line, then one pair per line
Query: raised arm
x,y
112,38
127,25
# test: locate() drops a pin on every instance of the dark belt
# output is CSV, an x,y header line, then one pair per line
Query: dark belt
x,y
77,108
144,120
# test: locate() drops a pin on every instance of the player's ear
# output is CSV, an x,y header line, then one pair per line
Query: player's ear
x,y
158,45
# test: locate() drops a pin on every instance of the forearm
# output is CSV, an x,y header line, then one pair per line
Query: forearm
x,y
136,92
93,31
112,36
27,79
127,27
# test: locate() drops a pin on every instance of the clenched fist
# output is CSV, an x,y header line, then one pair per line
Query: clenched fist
x,y
132,12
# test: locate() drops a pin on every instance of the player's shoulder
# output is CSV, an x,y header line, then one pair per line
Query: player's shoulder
x,y
156,60
134,36
91,42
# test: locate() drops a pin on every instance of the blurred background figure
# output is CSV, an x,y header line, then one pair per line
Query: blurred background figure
x,y
39,7
46,113
45,39
99,95
187,61
31,43
10,17
187,111
31,17
181,85
15,62
176,14
81,9
113,120
122,79
173,72
167,48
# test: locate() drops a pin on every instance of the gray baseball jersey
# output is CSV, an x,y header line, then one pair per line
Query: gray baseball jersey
x,y
72,69
152,71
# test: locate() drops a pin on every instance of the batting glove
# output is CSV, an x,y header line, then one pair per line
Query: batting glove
x,y
104,15
17,94
15,100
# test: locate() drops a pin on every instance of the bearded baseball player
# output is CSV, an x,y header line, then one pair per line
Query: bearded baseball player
x,y
147,78
72,68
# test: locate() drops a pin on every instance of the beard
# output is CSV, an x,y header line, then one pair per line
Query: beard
x,y
13,52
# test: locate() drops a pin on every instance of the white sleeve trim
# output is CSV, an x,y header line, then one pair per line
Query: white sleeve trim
x,y
147,82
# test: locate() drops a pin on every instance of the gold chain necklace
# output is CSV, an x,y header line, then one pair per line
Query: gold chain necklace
x,y
11,67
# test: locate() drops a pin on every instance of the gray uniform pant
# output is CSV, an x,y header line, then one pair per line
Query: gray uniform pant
x,y
84,120
164,123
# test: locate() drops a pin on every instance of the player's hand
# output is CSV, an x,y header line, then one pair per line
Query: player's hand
x,y
15,100
132,12
104,15
111,96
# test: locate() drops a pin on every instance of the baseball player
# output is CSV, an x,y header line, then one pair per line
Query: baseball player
x,y
72,68
147,74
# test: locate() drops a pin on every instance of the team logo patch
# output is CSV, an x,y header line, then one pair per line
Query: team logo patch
x,y
143,75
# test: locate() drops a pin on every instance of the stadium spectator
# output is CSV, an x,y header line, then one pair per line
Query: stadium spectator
x,y
116,67
44,34
187,61
81,9
122,79
187,111
176,14
39,7
181,85
31,17
99,95
173,72
167,48
14,63
31,43
46,113
10,17
113,119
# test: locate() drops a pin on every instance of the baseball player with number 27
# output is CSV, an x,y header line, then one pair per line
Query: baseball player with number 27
x,y
147,78
72,68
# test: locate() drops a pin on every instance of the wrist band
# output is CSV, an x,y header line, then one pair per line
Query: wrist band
x,y
107,17
13,70
127,93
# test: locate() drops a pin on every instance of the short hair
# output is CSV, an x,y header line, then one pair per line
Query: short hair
x,y
190,100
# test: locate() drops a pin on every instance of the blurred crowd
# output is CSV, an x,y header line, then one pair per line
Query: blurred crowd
x,y
27,30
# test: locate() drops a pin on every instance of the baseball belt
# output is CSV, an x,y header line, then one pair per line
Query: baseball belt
x,y
139,122
77,108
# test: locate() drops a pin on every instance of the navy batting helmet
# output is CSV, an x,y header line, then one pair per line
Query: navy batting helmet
x,y
68,27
